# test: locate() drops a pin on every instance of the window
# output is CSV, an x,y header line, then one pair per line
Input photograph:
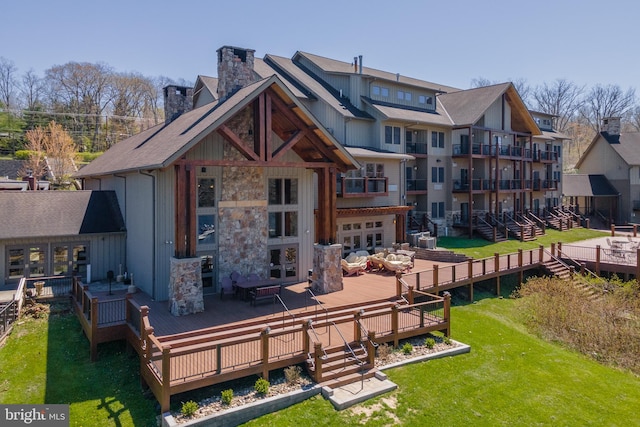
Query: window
x,y
423,99
384,92
437,174
375,90
206,211
404,96
374,170
437,139
392,134
437,210
283,212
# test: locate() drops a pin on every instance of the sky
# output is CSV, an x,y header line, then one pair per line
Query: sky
x,y
450,42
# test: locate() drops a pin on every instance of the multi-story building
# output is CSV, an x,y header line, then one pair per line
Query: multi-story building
x,y
430,154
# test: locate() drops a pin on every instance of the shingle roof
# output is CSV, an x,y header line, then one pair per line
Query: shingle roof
x,y
439,117
628,147
10,168
334,66
162,145
30,214
315,87
264,70
587,185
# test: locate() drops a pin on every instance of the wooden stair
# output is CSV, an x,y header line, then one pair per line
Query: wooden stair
x,y
485,231
557,269
340,367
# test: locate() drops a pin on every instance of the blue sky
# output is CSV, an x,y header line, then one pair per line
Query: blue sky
x,y
448,42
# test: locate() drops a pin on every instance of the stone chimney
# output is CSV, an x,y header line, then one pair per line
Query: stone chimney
x,y
177,100
611,125
235,70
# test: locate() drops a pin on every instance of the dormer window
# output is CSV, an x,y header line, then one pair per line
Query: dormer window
x,y
425,100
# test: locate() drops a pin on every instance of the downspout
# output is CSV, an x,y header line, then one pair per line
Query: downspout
x,y
153,237
124,214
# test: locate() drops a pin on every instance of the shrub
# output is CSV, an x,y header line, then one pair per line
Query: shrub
x,y
262,386
22,154
447,340
407,348
430,342
189,408
227,396
86,157
384,351
292,374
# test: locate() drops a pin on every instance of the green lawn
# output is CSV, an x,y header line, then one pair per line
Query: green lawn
x,y
510,378
480,248
47,361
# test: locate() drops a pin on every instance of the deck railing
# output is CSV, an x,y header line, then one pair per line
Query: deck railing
x,y
10,311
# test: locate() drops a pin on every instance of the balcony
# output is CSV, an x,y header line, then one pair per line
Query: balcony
x,y
362,187
545,156
478,184
485,150
416,186
544,185
416,148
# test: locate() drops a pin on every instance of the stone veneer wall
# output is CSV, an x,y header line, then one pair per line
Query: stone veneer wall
x,y
185,286
327,271
243,218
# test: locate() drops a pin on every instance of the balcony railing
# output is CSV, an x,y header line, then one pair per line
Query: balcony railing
x,y
416,148
545,156
417,185
362,187
491,150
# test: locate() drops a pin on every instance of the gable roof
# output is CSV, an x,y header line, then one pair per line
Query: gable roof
x,y
626,145
59,213
333,66
466,107
205,84
10,168
162,145
587,185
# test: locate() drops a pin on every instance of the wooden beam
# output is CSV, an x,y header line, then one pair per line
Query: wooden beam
x,y
180,219
268,125
247,163
234,140
192,225
289,144
258,124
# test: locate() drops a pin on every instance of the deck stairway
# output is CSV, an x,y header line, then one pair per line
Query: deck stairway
x,y
557,269
343,365
520,230
486,230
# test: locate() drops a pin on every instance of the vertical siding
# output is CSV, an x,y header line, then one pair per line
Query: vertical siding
x,y
140,218
493,115
165,230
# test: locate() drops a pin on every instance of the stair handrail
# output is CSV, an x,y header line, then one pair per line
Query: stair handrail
x,y
585,268
365,335
312,330
537,220
353,353
293,317
315,298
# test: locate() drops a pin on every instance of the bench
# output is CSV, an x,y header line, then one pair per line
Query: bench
x,y
264,293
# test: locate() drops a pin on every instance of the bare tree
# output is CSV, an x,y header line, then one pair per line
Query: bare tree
x,y
131,95
32,90
606,101
8,83
562,98
81,88
521,85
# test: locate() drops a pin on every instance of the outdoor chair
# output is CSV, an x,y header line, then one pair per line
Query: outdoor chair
x,y
226,287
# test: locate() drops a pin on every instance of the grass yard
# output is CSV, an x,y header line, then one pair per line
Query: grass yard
x,y
480,248
46,360
510,378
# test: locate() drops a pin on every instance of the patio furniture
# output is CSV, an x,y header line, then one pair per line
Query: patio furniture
x,y
246,288
265,293
349,269
226,287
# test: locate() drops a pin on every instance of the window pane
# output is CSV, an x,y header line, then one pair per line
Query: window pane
x,y
422,99
16,263
60,270
36,256
441,209
441,139
400,94
291,224
384,91
407,96
275,224
434,210
396,135
379,170
375,90
388,135
434,174
378,239
434,139
291,191
206,192
60,254
441,174
79,253
275,191
276,271
356,242
206,229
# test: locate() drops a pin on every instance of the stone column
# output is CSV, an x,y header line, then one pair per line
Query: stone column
x,y
185,286
327,271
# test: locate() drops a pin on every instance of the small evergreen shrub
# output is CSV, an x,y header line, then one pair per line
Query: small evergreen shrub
x,y
262,386
447,340
407,348
429,343
292,374
189,408
22,154
227,396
